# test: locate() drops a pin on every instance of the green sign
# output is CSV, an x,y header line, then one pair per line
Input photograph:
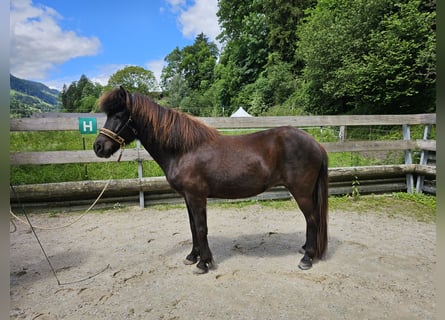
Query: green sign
x,y
87,125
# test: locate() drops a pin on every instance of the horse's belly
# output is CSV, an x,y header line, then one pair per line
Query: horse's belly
x,y
235,193
239,188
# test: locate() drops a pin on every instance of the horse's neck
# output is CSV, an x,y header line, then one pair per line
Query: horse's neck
x,y
156,148
162,157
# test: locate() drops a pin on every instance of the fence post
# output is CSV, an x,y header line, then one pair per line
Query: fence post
x,y
423,160
408,159
141,193
342,133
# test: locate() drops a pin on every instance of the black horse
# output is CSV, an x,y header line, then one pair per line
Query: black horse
x,y
199,163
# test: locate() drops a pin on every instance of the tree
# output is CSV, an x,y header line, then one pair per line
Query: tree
x,y
173,68
309,56
259,38
198,62
398,74
244,34
80,96
134,79
281,18
274,85
178,89
189,73
70,97
365,56
231,15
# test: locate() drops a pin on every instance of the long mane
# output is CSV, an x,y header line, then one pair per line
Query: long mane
x,y
171,129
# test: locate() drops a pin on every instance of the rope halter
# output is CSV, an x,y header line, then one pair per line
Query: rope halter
x,y
116,137
113,136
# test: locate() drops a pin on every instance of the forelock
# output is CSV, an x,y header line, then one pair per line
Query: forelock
x,y
113,101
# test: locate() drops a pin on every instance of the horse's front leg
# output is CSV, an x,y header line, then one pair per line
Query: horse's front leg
x,y
192,258
198,221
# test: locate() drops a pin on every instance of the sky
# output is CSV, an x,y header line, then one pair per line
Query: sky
x,y
56,41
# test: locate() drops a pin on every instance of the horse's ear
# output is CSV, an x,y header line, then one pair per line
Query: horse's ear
x,y
128,101
123,92
127,96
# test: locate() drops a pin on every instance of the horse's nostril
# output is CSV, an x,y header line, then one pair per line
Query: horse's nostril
x,y
97,147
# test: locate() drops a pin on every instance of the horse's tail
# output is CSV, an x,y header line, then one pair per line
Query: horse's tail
x,y
320,197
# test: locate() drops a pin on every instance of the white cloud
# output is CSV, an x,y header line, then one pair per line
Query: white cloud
x,y
156,66
38,43
100,74
197,18
176,5
104,72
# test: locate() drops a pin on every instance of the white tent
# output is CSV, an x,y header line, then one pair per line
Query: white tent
x,y
240,113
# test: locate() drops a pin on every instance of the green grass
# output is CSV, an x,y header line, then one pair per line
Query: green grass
x,y
416,206
420,207
69,140
48,141
72,140
30,174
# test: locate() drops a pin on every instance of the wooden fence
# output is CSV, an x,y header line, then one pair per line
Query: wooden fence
x,y
409,176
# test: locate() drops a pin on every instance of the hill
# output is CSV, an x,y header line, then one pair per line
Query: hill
x,y
28,97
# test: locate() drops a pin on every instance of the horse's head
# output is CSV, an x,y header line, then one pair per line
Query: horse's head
x,y
118,129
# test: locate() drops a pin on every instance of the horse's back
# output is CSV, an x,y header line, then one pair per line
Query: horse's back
x,y
276,149
288,143
245,165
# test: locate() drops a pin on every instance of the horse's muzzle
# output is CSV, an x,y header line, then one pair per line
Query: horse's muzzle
x,y
100,151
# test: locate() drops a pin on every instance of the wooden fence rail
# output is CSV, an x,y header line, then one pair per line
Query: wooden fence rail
x,y
62,122
88,156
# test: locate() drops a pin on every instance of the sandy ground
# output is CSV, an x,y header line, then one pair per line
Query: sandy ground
x,y
378,267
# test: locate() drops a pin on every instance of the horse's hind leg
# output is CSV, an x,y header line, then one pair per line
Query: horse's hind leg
x,y
305,202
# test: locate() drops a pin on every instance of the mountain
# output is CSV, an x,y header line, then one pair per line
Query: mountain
x,y
28,97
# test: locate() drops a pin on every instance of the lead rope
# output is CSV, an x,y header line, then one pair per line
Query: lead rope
x,y
63,226
28,222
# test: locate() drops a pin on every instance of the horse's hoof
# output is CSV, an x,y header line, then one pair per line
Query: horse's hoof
x,y
190,259
204,267
305,263
188,262
199,270
302,250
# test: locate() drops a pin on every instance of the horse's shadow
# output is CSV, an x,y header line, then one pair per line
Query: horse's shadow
x,y
261,245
